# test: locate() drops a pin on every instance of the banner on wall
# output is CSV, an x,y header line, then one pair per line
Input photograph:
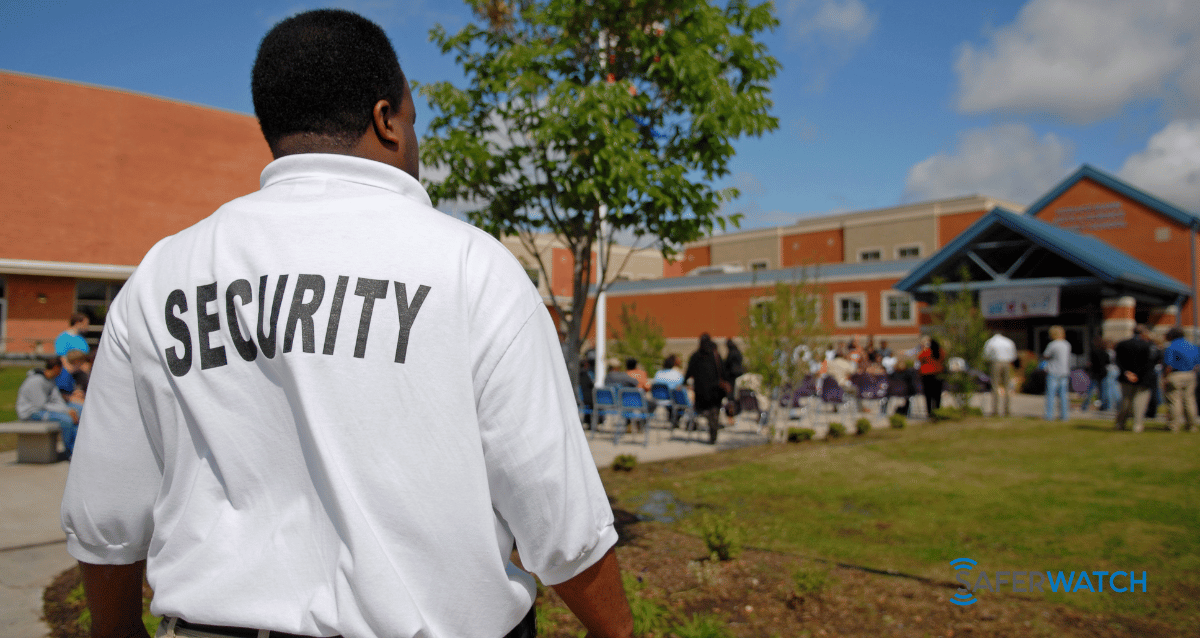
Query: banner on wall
x,y
1014,303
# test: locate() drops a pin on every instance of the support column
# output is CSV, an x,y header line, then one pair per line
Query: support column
x,y
1118,318
1162,319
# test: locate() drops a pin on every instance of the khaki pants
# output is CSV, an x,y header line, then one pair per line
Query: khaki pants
x,y
1179,389
1001,383
1134,400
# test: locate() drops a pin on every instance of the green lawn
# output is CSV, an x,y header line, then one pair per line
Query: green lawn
x,y
10,381
1012,494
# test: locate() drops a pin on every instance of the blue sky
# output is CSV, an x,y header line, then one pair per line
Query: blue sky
x,y
881,102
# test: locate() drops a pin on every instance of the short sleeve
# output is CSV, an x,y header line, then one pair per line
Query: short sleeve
x,y
542,476
115,471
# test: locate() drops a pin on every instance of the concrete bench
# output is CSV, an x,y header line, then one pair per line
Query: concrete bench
x,y
37,441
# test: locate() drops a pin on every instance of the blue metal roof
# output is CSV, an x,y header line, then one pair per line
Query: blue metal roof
x,y
818,273
1088,171
1107,263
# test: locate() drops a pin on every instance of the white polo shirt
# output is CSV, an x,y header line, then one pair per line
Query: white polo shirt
x,y
329,408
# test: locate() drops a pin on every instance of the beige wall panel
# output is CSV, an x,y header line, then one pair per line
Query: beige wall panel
x,y
888,235
744,252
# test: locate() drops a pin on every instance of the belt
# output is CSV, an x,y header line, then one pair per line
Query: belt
x,y
233,632
527,628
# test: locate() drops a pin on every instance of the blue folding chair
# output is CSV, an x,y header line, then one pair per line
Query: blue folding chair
x,y
684,414
661,393
604,404
633,409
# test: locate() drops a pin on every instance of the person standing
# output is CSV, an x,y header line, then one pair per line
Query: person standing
x,y
932,364
72,338
1098,361
1179,380
1135,375
708,382
1001,352
1057,356
230,451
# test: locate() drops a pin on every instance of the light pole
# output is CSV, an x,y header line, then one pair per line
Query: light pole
x,y
601,304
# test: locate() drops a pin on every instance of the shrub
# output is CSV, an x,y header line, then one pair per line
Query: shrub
x,y
974,411
835,430
648,616
810,581
624,462
947,414
862,425
721,535
703,627
897,421
798,435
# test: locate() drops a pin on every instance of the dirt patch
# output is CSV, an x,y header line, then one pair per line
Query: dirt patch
x,y
755,596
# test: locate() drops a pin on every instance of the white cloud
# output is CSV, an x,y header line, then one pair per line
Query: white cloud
x,y
831,30
1170,166
1084,60
1007,161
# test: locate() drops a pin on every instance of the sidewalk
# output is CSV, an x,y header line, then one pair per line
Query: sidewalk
x,y
33,552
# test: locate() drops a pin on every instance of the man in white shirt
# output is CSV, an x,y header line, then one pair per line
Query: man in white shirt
x,y
1000,351
229,446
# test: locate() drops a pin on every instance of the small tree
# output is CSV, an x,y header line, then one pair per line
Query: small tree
x,y
959,325
568,109
640,337
779,330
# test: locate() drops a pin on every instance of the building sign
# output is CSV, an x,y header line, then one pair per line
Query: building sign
x,y
1090,217
1013,303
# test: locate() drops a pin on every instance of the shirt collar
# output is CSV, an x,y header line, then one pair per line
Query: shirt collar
x,y
346,168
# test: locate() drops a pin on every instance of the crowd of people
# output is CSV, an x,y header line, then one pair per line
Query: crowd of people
x,y
709,377
55,391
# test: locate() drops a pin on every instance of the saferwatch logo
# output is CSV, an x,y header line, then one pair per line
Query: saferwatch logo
x,y
1029,581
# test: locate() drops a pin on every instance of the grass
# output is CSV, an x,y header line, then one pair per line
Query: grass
x,y
10,382
1013,494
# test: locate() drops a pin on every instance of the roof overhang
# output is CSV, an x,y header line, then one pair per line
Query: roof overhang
x,y
65,269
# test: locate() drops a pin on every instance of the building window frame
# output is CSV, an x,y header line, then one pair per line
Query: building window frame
x,y
839,318
885,298
920,248
868,250
760,264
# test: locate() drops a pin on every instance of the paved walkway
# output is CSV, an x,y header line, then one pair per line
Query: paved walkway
x,y
32,550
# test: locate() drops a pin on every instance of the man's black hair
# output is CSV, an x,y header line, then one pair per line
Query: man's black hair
x,y
322,72
1174,333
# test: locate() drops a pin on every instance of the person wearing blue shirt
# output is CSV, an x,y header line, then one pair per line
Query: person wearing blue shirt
x,y
72,337
1179,381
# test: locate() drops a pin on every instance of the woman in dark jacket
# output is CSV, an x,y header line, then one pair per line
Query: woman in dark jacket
x,y
707,373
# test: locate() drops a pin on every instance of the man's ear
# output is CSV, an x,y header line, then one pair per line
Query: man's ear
x,y
386,130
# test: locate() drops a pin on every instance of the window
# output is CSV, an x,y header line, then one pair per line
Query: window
x,y
760,264
851,309
93,298
908,252
897,308
873,254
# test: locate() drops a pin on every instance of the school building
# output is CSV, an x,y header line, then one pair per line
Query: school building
x,y
96,176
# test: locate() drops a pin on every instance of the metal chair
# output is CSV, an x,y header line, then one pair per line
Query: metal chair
x,y
633,409
661,393
604,404
873,387
684,414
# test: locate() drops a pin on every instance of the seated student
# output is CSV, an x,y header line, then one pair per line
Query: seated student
x,y
617,376
66,380
632,369
39,399
670,374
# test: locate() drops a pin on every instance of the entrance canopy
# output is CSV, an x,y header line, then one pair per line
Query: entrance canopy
x,y
1004,249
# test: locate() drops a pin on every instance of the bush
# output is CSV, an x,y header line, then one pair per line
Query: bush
x,y
721,535
810,581
974,411
947,414
897,421
836,430
624,462
798,435
862,425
